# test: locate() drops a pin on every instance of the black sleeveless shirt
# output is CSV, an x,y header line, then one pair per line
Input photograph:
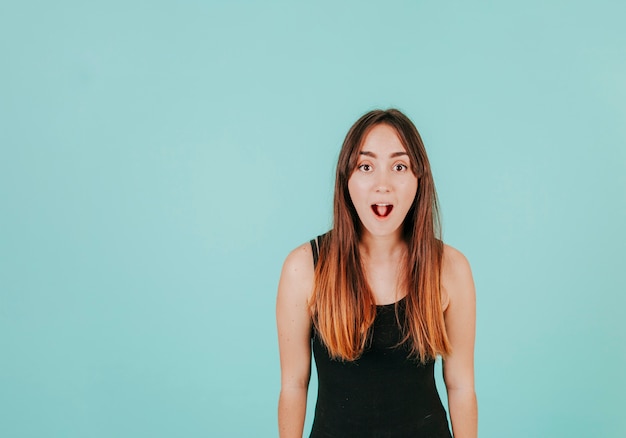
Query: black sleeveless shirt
x,y
382,394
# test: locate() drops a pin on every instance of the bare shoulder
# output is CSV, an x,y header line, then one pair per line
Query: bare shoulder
x,y
456,274
299,262
454,262
298,273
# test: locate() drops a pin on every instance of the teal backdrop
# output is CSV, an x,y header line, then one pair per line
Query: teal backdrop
x,y
160,159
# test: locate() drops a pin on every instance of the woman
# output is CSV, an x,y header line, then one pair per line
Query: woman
x,y
377,299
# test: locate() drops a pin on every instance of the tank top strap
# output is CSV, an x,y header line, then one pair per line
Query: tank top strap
x,y
315,249
315,246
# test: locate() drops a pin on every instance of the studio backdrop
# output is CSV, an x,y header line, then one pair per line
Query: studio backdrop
x,y
159,160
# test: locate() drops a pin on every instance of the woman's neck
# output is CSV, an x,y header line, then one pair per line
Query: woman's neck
x,y
381,247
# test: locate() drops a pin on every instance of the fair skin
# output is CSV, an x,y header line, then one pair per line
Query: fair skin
x,y
382,189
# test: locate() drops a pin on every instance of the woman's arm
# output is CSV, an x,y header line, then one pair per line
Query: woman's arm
x,y
458,367
294,339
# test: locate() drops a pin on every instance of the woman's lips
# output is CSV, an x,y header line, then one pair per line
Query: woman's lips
x,y
382,210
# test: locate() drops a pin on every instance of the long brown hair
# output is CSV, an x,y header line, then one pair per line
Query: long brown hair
x,y
342,305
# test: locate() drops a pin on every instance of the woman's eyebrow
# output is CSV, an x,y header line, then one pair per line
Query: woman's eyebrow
x,y
392,155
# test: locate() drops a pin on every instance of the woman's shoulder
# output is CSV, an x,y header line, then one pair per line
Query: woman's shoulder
x,y
453,259
298,271
456,275
300,258
304,257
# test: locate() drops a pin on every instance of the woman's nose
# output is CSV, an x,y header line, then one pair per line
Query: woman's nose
x,y
382,182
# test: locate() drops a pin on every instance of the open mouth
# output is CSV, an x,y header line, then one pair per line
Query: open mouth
x,y
382,210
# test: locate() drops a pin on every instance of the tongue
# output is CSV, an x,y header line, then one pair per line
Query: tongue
x,y
382,210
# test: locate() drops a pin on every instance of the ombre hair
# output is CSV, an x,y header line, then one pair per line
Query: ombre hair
x,y
342,305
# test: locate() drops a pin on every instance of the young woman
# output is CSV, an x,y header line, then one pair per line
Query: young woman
x,y
377,299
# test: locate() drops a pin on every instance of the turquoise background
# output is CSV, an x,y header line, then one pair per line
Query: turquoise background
x,y
160,159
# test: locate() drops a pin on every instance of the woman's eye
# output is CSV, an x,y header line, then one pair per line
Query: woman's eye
x,y
365,167
400,167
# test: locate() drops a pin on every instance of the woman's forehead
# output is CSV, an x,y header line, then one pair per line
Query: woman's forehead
x,y
382,139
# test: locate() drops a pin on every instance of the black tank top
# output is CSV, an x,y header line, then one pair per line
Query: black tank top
x,y
383,394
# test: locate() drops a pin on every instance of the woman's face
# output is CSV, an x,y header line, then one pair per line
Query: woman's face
x,y
382,187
